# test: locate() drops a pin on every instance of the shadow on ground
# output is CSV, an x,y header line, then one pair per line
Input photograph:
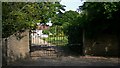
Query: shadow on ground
x,y
63,50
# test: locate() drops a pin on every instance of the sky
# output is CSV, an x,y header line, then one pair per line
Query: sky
x,y
71,4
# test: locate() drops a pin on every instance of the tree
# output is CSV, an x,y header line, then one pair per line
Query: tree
x,y
69,20
100,17
72,29
20,15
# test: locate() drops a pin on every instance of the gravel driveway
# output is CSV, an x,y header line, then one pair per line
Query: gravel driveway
x,y
69,61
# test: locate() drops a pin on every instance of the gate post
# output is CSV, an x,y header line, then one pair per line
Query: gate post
x,y
83,42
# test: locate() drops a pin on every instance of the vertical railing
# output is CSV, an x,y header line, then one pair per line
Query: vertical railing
x,y
30,39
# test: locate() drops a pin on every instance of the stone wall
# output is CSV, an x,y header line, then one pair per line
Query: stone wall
x,y
16,47
102,45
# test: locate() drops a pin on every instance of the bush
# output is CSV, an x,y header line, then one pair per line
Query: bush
x,y
45,31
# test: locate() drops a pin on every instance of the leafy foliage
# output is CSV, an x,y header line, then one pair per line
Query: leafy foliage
x,y
21,15
69,20
100,17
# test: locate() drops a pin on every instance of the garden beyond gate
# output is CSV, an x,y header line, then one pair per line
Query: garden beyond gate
x,y
45,42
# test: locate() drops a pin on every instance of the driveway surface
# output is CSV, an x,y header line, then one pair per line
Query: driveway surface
x,y
69,61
